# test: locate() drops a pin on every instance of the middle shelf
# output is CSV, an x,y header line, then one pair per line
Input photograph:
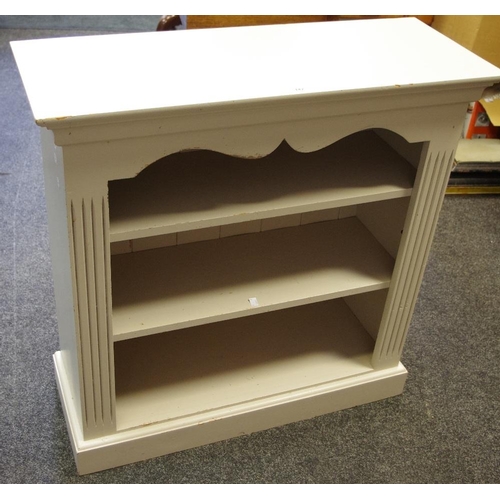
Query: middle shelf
x,y
188,285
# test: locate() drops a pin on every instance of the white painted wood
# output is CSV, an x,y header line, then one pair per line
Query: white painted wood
x,y
253,226
204,234
64,283
124,246
386,221
349,211
169,436
368,308
111,110
183,286
88,230
227,364
291,56
280,222
163,240
411,152
410,263
319,216
202,189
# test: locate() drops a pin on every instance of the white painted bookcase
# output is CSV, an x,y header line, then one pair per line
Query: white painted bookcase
x,y
239,220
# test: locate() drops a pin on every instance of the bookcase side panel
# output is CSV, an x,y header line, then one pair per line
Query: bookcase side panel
x,y
60,249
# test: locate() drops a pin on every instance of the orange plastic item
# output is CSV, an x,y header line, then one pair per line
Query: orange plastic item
x,y
480,126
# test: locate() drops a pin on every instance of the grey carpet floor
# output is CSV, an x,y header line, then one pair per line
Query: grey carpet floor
x,y
444,428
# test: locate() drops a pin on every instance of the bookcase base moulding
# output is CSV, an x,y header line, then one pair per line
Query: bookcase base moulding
x,y
243,252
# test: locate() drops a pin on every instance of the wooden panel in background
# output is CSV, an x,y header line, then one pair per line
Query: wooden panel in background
x,y
196,22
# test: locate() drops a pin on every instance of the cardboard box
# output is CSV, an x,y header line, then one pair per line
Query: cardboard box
x,y
476,168
479,34
493,111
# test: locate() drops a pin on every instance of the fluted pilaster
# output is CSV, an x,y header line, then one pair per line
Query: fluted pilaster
x,y
412,258
89,239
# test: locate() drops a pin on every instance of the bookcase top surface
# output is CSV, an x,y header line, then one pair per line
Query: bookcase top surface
x,y
121,74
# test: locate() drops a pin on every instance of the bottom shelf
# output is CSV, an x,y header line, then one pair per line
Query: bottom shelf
x,y
218,369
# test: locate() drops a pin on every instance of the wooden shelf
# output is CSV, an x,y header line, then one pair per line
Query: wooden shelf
x,y
200,189
187,285
203,371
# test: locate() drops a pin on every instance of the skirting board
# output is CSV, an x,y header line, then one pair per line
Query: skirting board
x,y
155,440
